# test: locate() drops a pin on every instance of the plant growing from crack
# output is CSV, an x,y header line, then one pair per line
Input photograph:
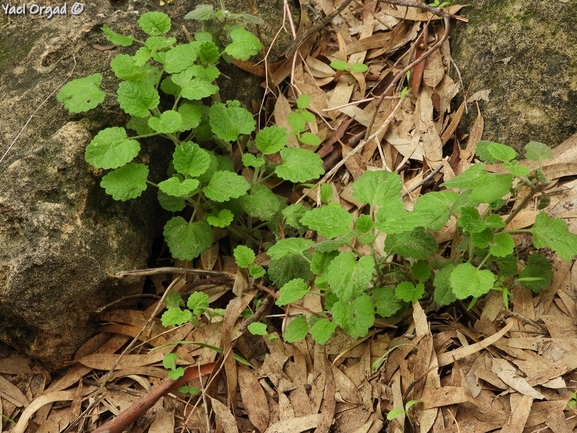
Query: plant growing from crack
x,y
202,177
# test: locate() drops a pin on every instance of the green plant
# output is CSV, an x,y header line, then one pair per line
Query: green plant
x,y
398,411
203,130
573,401
359,284
341,65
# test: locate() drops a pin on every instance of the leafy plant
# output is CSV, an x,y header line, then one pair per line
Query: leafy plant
x,y
201,176
398,411
359,287
573,401
341,65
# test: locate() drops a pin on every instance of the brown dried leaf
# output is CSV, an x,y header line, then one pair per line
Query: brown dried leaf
x,y
224,418
254,398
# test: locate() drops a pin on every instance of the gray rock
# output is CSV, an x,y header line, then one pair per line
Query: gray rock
x,y
524,52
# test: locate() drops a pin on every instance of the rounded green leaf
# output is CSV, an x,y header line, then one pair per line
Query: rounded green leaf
x,y
330,221
169,121
322,330
244,44
126,182
299,165
501,152
177,187
271,139
189,159
221,219
257,328
339,65
502,245
137,98
230,121
185,240
154,23
201,13
261,203
225,185
536,151
466,280
111,148
82,94
309,139
377,188
292,291
296,330
243,256
359,67
303,101
180,57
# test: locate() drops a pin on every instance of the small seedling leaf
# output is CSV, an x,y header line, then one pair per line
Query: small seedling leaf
x,y
221,218
175,317
257,328
173,300
309,139
359,68
197,303
303,101
339,65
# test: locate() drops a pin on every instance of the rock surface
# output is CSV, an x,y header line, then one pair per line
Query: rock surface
x,y
60,234
523,51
